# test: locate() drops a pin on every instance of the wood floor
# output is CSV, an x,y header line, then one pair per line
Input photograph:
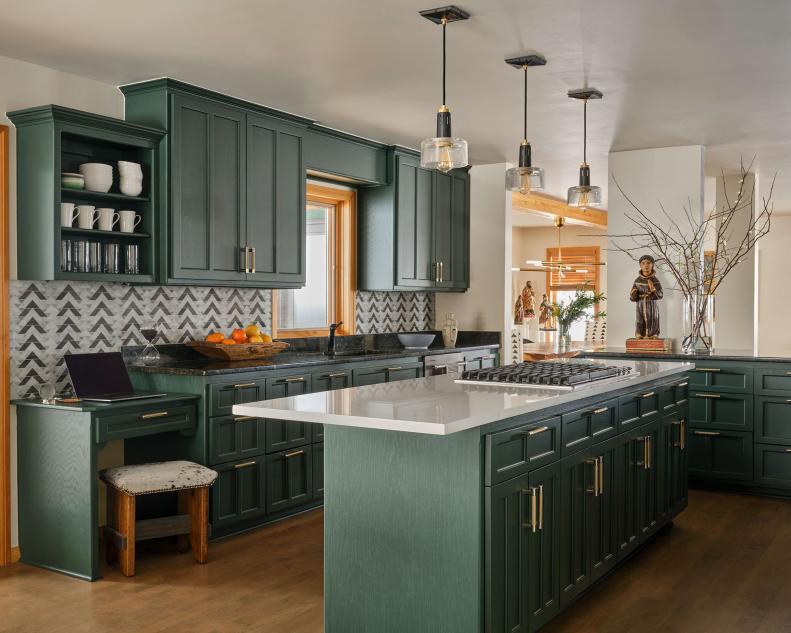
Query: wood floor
x,y
724,568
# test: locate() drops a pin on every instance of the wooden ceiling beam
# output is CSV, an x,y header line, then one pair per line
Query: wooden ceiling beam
x,y
547,205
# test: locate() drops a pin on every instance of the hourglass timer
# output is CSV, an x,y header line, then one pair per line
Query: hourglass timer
x,y
150,354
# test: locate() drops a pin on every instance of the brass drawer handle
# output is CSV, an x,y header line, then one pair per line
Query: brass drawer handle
x,y
789,401
242,418
706,433
788,373
438,367
536,431
602,410
150,416
243,385
294,453
649,394
595,463
682,384
295,379
708,369
788,450
338,375
487,357
541,507
682,433
533,523
244,464
708,395
394,368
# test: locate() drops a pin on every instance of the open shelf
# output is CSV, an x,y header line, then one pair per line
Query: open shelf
x,y
66,230
84,194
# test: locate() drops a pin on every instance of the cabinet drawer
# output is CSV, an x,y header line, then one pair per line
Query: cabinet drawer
x,y
146,422
239,493
673,395
329,380
720,455
404,371
724,377
587,426
289,479
223,396
773,382
510,453
773,420
235,437
369,376
635,409
773,465
282,434
709,409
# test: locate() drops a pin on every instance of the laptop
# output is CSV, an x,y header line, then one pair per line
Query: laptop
x,y
102,378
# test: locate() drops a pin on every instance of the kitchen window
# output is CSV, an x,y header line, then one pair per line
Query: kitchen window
x,y
328,294
563,285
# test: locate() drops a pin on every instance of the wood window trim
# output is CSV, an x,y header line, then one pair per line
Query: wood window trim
x,y
5,369
345,282
594,252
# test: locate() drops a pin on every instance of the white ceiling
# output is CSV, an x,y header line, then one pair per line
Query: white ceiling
x,y
673,72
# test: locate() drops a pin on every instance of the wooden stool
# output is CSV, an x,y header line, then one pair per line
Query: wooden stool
x,y
125,483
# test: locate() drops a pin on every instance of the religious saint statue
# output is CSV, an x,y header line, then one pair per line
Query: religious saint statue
x,y
646,291
545,313
529,301
519,311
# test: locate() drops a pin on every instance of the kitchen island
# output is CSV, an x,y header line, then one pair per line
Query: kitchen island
x,y
468,508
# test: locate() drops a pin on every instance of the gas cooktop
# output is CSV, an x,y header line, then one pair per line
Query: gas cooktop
x,y
547,374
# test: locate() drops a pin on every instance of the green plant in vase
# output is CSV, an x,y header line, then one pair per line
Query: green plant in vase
x,y
569,313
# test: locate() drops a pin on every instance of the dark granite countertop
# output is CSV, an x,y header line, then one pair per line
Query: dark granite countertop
x,y
719,354
306,353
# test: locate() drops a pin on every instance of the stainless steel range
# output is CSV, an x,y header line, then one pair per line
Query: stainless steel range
x,y
548,374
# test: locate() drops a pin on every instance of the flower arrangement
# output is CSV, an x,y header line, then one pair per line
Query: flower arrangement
x,y
568,313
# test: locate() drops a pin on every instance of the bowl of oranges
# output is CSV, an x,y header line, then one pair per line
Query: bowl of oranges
x,y
249,343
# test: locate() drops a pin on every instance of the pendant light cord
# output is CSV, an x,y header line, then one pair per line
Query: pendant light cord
x,y
524,136
444,26
585,131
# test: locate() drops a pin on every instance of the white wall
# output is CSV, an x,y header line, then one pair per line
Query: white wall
x,y
774,302
672,175
24,85
485,306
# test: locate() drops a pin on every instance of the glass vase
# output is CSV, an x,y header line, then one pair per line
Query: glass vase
x,y
698,324
564,335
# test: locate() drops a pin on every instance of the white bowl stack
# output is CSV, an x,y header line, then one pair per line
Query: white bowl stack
x,y
131,178
98,176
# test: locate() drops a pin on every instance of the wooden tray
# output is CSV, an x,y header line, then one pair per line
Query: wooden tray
x,y
239,351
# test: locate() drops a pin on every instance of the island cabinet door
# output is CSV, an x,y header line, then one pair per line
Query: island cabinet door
x,y
649,479
674,470
628,465
604,508
239,492
281,434
576,492
289,479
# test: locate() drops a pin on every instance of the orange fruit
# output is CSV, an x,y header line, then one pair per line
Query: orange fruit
x,y
215,337
228,341
252,330
239,336
265,338
255,339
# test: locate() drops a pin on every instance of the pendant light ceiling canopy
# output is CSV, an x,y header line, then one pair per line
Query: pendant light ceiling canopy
x,y
584,195
525,178
443,152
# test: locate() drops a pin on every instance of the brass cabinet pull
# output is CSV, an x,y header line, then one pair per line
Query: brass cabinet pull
x,y
252,251
244,464
243,385
536,431
601,410
601,474
595,463
650,447
438,367
682,384
541,506
788,450
682,432
442,271
436,272
294,379
708,395
149,416
649,394
532,524
341,374
788,401
246,252
294,453
394,368
708,369
788,373
707,433
243,418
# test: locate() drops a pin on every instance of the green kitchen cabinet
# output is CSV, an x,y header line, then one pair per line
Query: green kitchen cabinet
x,y
638,408
773,466
233,204
331,379
336,156
726,411
404,371
235,437
604,507
369,375
401,369
773,420
413,233
650,479
521,583
583,427
673,453
720,455
630,455
52,139
774,381
318,471
726,377
289,479
239,494
283,434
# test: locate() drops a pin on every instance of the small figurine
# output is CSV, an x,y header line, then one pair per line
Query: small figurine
x,y
529,300
646,291
545,313
519,311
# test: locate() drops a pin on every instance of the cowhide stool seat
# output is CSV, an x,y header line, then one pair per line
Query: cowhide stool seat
x,y
191,481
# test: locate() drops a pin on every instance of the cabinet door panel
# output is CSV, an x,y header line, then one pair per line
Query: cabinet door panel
x,y
239,493
773,382
650,491
318,471
723,377
235,437
710,409
629,453
604,506
283,434
222,396
773,420
544,548
289,479
576,481
403,372
290,208
458,274
261,199
773,466
227,178
515,451
721,455
414,203
369,376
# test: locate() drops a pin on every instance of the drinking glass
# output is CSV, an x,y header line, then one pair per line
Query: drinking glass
x,y
80,257
131,258
66,256
111,256
94,257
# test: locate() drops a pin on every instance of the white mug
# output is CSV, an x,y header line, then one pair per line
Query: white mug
x,y
129,220
68,213
108,218
87,216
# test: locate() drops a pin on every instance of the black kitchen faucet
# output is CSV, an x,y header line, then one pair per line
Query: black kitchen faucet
x,y
331,342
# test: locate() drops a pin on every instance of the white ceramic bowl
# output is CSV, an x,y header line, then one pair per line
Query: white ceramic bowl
x,y
126,166
98,176
131,187
72,181
416,340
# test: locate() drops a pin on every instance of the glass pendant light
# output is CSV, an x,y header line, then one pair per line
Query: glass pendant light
x,y
443,152
584,195
525,178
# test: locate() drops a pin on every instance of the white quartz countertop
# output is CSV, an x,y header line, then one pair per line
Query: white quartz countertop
x,y
437,405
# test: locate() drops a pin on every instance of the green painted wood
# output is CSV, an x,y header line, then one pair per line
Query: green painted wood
x,y
414,222
774,381
318,471
628,461
335,154
404,371
673,454
519,450
603,526
369,375
234,437
451,228
720,410
282,434
289,479
238,389
135,424
403,537
726,455
576,481
239,494
773,420
650,480
773,466
722,376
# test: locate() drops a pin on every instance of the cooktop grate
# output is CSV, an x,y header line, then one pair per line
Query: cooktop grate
x,y
546,374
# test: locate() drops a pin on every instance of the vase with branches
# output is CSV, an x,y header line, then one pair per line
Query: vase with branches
x,y
577,308
700,253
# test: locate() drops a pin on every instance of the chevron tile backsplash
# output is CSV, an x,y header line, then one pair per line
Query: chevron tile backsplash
x,y
49,319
